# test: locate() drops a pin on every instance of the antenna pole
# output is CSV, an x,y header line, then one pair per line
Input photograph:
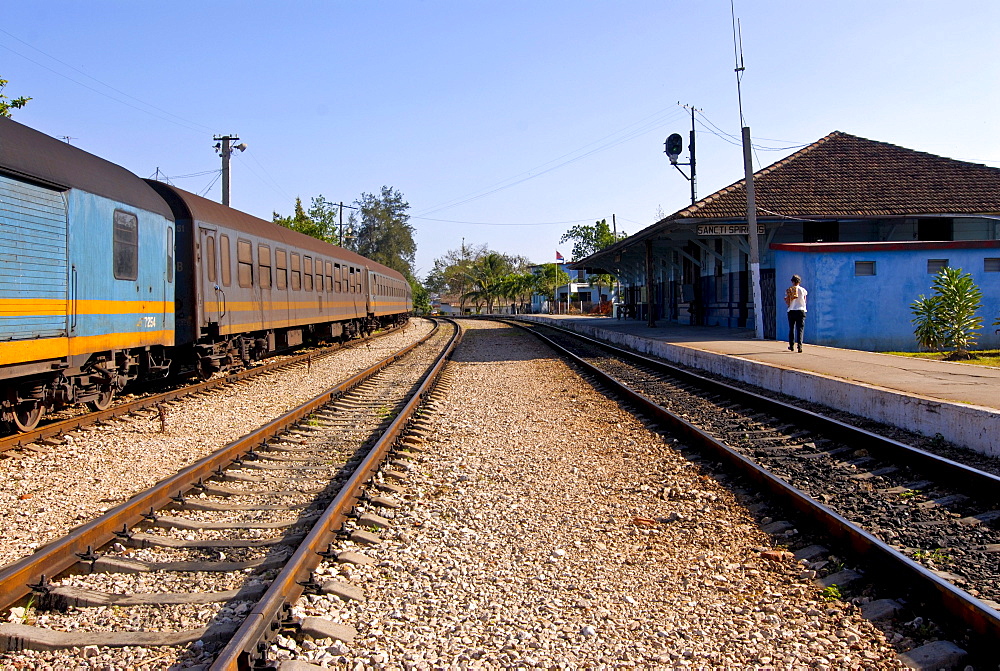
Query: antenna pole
x,y
758,312
758,309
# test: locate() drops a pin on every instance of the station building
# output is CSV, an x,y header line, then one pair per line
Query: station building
x,y
866,225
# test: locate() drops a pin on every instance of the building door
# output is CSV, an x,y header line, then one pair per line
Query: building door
x,y
767,289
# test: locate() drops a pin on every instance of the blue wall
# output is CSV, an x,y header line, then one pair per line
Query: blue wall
x,y
873,312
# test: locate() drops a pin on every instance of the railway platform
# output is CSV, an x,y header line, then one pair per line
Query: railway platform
x,y
959,401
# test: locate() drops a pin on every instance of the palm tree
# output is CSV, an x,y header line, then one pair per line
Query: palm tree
x,y
486,277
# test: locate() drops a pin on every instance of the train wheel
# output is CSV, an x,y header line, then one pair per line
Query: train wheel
x,y
26,416
103,400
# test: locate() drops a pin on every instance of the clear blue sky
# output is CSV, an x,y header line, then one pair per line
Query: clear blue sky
x,y
502,123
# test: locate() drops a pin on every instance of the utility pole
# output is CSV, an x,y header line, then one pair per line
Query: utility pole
x,y
225,149
694,174
758,306
758,311
340,241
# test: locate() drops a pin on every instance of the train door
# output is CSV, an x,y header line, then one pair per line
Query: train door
x,y
211,297
370,298
168,282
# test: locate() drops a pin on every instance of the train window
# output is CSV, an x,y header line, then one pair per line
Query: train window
x,y
336,276
224,263
307,272
329,276
281,269
210,257
296,272
264,266
319,274
244,259
170,254
125,250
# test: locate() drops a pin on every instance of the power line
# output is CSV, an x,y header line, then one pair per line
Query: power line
x,y
735,139
652,122
273,182
204,192
179,121
486,223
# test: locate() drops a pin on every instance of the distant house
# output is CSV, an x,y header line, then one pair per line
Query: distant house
x,y
866,224
578,296
445,305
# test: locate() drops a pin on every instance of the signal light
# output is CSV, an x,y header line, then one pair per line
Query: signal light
x,y
674,146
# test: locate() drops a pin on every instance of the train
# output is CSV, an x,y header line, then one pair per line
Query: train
x,y
108,279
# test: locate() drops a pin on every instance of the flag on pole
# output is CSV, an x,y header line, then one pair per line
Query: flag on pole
x,y
559,257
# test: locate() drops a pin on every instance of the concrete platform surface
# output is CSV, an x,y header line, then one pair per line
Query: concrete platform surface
x,y
959,401
942,380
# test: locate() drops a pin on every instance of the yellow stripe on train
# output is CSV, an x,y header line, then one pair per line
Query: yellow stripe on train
x,y
17,351
22,307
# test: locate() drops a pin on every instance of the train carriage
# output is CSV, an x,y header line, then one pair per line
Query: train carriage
x,y
86,276
106,279
248,287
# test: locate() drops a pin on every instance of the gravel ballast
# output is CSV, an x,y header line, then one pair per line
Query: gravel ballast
x,y
544,526
49,491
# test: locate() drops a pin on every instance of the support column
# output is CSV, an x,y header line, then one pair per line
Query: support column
x,y
650,322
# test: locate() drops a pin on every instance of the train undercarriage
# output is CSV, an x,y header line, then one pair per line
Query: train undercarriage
x,y
94,382
28,392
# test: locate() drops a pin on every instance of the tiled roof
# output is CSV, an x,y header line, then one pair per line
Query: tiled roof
x,y
843,175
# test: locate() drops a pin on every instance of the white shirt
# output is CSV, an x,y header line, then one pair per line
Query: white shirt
x,y
799,302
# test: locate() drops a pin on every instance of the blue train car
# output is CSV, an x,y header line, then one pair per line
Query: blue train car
x,y
86,277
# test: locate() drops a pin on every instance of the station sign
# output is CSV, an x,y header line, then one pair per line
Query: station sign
x,y
728,229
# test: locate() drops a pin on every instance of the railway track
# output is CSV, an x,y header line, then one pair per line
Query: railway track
x,y
919,522
73,418
240,531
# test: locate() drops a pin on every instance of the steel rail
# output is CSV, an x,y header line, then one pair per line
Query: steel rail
x,y
886,561
17,440
16,578
250,640
967,479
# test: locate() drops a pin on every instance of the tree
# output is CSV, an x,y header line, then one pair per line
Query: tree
x,y
948,318
324,215
319,222
450,274
382,229
519,286
548,280
591,239
8,104
601,280
486,277
421,297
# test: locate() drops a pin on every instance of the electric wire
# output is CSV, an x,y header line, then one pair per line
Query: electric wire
x,y
273,182
204,192
170,117
487,223
633,130
193,174
163,115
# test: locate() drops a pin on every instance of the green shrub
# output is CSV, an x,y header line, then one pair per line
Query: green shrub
x,y
948,318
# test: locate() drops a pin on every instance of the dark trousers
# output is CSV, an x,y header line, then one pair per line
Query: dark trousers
x,y
796,325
